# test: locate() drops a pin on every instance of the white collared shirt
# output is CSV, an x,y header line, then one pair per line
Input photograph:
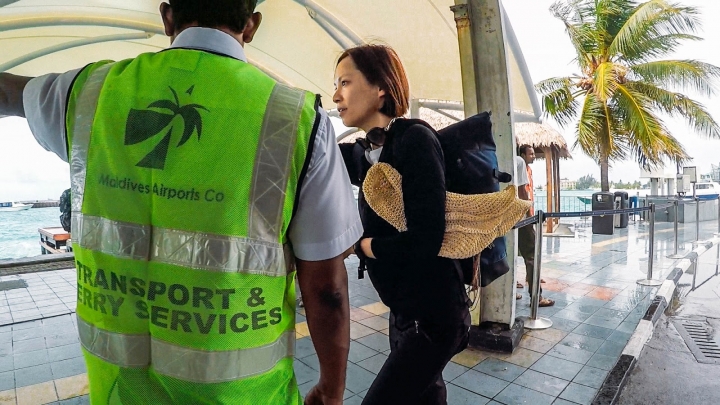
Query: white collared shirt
x,y
327,221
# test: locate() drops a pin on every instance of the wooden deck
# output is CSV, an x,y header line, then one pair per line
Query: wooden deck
x,y
54,240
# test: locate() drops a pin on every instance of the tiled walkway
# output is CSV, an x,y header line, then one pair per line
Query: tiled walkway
x,y
591,277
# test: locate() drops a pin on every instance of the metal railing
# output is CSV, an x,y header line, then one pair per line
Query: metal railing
x,y
536,322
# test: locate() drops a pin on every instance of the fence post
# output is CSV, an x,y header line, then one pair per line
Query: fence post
x,y
718,232
697,219
535,322
675,255
651,251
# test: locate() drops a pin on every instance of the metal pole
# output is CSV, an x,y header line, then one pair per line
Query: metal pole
x,y
697,219
651,251
675,255
534,322
718,232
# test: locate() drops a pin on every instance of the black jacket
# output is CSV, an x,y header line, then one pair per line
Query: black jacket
x,y
408,274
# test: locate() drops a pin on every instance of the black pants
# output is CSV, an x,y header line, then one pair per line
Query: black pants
x,y
419,352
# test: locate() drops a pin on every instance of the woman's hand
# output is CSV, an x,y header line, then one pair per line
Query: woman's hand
x,y
317,397
366,246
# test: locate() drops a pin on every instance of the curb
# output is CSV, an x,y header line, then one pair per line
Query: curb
x,y
610,391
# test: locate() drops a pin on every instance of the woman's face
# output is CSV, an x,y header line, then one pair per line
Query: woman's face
x,y
358,101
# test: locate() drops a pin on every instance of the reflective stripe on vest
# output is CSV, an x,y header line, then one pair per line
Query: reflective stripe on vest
x,y
180,362
189,249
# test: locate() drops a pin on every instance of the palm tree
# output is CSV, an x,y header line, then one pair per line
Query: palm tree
x,y
623,89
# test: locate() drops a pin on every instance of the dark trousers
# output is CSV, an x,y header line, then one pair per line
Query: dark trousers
x,y
412,373
526,248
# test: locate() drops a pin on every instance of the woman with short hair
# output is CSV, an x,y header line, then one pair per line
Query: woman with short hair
x,y
429,319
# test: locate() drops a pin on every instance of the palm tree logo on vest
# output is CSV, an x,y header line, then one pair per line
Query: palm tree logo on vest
x,y
142,125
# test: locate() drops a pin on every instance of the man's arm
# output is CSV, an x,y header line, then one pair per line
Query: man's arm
x,y
522,193
11,94
324,288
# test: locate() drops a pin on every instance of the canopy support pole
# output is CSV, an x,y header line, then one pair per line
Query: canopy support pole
x,y
486,87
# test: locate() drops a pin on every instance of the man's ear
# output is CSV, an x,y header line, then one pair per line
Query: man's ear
x,y
251,27
167,18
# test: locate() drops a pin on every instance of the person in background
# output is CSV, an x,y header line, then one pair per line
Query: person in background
x,y
199,186
429,318
526,234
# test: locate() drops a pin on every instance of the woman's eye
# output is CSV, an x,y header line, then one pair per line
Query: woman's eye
x,y
343,83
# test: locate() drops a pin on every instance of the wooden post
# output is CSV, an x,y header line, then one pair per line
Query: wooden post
x,y
556,169
550,185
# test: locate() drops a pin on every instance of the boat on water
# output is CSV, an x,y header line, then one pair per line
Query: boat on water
x,y
13,206
707,190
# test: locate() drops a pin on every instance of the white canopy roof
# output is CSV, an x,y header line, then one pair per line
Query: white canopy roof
x,y
298,41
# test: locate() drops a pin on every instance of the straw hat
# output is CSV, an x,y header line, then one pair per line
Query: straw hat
x,y
472,221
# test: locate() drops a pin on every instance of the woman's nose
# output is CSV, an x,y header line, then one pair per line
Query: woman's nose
x,y
336,96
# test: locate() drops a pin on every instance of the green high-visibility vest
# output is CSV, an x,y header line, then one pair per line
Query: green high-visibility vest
x,y
185,166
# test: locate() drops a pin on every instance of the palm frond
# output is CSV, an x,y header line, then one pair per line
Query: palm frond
x,y
684,74
679,105
650,48
606,80
558,99
653,19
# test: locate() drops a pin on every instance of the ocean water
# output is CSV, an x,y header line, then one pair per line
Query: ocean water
x,y
19,235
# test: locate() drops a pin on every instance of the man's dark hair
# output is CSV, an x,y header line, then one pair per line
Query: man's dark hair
x,y
523,149
232,14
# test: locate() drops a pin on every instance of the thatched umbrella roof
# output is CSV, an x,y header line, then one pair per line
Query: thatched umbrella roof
x,y
541,136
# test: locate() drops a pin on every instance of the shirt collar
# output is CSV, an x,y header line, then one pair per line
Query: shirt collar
x,y
211,40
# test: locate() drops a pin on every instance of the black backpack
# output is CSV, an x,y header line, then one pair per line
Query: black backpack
x,y
471,167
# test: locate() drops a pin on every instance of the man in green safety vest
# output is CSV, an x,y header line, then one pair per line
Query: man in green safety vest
x,y
200,187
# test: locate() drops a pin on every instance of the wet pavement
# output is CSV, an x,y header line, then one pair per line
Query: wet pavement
x,y
681,364
591,277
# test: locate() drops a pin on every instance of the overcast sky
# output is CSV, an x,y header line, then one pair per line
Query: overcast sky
x,y
27,171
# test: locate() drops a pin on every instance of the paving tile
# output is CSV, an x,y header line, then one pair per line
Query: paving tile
x,y
358,379
603,321
358,330
556,367
572,315
6,363
591,301
593,331
27,325
517,394
500,369
550,334
521,357
620,337
375,322
357,314
579,394
560,401
582,342
582,308
461,396
304,347
377,308
7,380
374,363
452,371
26,334
359,352
536,344
33,375
303,373
591,377
627,327
72,387
30,359
353,400
64,352
68,368
480,383
610,348
37,394
301,329
310,361
564,324
376,341
570,353
470,357
29,345
8,397
542,382
602,361
361,301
